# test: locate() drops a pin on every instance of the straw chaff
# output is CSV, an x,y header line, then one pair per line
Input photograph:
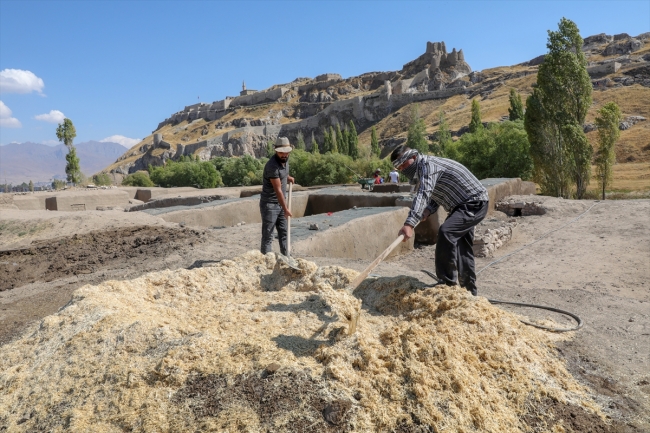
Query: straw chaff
x,y
249,345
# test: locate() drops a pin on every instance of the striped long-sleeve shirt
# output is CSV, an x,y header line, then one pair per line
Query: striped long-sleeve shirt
x,y
443,182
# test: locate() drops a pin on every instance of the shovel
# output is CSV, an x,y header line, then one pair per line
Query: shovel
x,y
290,261
352,327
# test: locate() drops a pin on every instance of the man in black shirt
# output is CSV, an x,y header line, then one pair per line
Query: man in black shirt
x,y
273,206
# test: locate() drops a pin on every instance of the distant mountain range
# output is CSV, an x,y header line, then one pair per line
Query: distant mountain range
x,y
22,162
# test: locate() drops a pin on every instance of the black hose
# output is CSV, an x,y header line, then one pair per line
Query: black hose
x,y
547,328
520,304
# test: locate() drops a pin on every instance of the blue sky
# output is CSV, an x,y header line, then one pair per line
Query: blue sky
x,y
118,68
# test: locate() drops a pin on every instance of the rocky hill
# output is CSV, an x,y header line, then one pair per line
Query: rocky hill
x,y
437,80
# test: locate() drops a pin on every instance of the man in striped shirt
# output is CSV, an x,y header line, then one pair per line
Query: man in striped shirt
x,y
447,183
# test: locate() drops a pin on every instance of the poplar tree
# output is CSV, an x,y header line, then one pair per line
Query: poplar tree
x,y
327,140
607,122
374,143
66,134
31,186
334,140
555,113
300,141
341,140
416,137
353,141
314,145
516,110
475,124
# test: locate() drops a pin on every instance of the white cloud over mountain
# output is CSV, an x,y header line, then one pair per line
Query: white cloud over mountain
x,y
6,120
20,81
54,116
120,139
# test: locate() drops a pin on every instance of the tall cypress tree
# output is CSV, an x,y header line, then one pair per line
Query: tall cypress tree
x,y
475,124
516,110
300,141
374,143
327,141
334,139
555,113
341,140
353,141
416,137
314,144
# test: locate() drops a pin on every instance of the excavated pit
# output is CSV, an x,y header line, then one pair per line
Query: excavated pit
x,y
251,345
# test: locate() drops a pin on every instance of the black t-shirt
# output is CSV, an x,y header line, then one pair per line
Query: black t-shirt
x,y
274,170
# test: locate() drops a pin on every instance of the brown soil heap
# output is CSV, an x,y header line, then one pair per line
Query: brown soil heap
x,y
249,345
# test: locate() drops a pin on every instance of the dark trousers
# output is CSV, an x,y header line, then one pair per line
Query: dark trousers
x,y
454,252
273,217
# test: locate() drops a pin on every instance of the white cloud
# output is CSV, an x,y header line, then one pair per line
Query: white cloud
x,y
120,139
6,121
20,81
54,116
50,142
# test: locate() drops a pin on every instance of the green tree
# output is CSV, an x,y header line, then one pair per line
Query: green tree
x,y
185,173
475,124
244,170
31,186
416,137
374,143
501,150
516,110
343,143
607,122
511,156
139,178
300,141
270,149
353,142
314,144
555,113
443,145
327,141
72,169
334,138
66,132
56,184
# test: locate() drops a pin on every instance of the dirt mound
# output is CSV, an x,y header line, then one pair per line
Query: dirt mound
x,y
87,253
249,345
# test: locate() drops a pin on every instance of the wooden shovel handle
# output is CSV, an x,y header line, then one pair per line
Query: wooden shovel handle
x,y
289,223
363,275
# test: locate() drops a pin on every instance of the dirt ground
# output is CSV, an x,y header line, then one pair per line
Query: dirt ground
x,y
597,267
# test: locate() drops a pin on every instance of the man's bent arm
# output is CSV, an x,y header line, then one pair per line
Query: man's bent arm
x,y
423,196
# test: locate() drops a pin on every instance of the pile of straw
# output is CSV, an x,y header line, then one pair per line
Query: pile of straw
x,y
249,345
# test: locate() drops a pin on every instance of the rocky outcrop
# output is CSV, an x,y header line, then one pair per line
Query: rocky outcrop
x,y
624,46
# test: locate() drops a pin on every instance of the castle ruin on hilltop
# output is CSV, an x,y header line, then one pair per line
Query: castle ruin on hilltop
x,y
328,100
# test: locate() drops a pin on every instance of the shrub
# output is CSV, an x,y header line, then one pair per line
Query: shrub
x,y
102,179
244,170
501,150
139,178
316,169
186,173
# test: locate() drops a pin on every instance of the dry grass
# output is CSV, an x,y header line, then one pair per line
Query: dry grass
x,y
626,178
123,355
